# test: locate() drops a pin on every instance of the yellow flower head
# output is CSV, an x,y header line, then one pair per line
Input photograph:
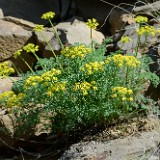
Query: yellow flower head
x,y
56,87
122,93
123,60
5,69
141,19
92,67
31,48
84,87
39,28
48,15
92,23
147,30
18,53
125,39
6,95
76,51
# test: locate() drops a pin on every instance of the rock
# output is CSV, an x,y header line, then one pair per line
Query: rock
x,y
42,37
1,14
122,19
19,65
6,83
12,38
30,10
51,40
77,32
20,22
153,158
130,31
115,149
7,123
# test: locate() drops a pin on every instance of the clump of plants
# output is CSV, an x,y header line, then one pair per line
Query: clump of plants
x,y
81,88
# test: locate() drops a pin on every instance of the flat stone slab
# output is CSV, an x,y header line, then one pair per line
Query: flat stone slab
x,y
6,83
119,149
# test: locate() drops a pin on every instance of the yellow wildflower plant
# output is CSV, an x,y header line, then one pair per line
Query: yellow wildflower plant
x,y
123,60
5,69
46,77
51,75
147,30
31,48
84,87
122,93
76,51
48,15
125,39
39,28
6,95
56,87
92,23
15,100
32,81
92,67
141,19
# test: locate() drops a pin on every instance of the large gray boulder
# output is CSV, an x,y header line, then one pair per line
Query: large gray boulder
x,y
12,38
76,31
131,147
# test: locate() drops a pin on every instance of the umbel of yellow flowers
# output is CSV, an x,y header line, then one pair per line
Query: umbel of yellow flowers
x,y
92,23
48,15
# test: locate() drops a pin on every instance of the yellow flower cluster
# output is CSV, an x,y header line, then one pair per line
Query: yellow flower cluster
x,y
76,51
122,93
32,81
92,23
56,87
48,15
148,30
18,53
84,87
125,39
92,67
11,99
6,95
39,28
123,60
141,19
49,76
5,69
15,100
31,48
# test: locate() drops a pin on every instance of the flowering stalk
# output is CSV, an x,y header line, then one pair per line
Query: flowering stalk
x,y
48,44
31,48
55,32
48,16
92,24
26,64
18,54
40,28
124,39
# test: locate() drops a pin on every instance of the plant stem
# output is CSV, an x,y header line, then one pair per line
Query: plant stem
x,y
55,32
91,37
48,44
36,56
138,41
138,44
27,64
